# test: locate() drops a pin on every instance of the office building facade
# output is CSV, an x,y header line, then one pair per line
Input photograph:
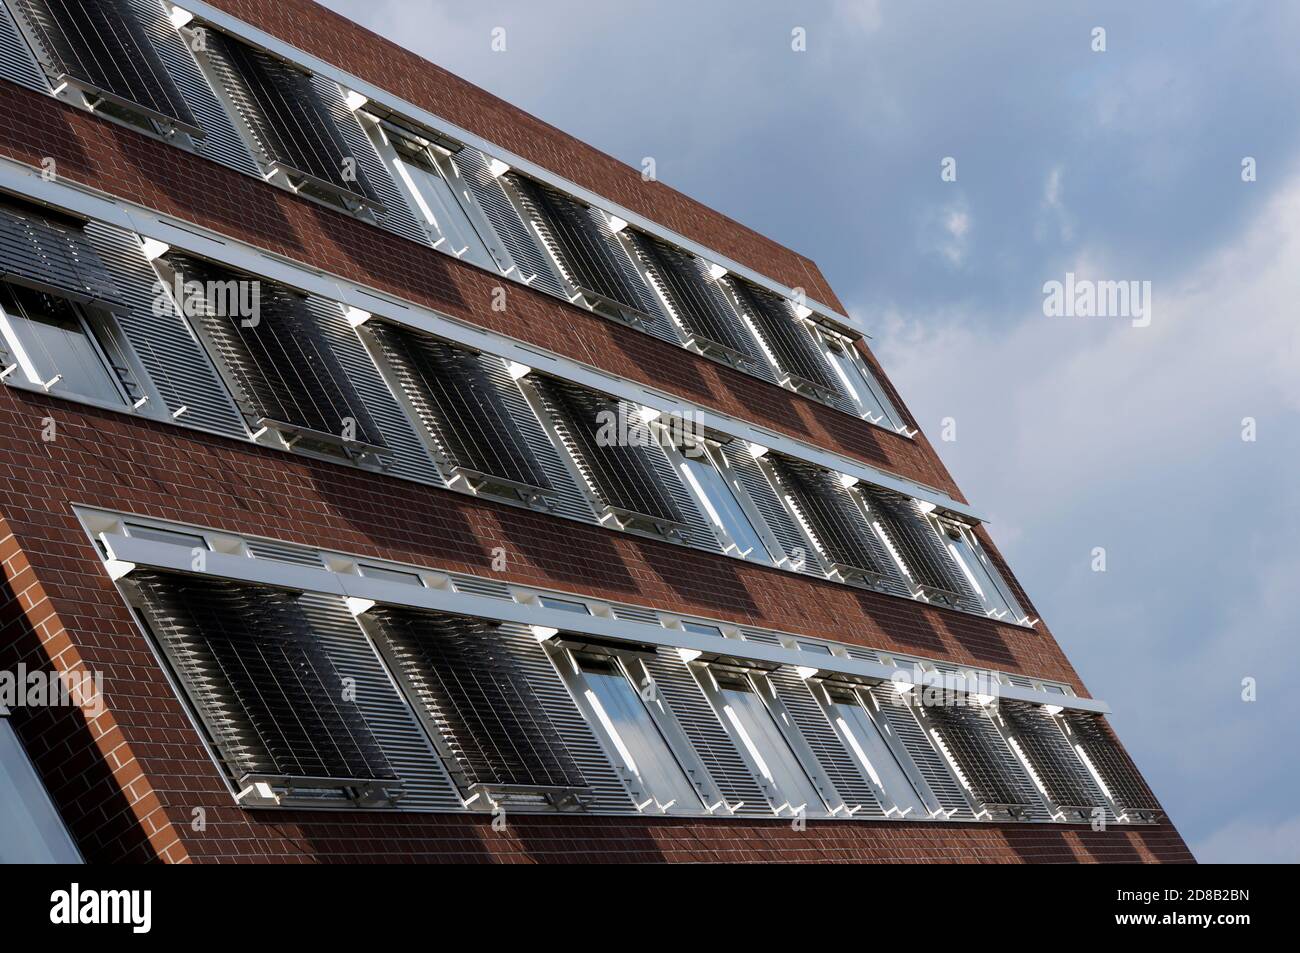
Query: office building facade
x,y
389,476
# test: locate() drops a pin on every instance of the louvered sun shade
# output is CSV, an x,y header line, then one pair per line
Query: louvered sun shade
x,y
617,469
286,374
917,543
1117,770
974,744
268,694
526,254
1054,761
588,251
796,353
461,407
830,513
696,299
101,46
291,124
478,701
46,253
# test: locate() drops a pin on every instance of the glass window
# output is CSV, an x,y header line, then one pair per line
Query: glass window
x,y
759,734
720,504
872,752
699,628
436,202
859,382
632,733
981,575
390,575
564,605
156,535
49,339
31,831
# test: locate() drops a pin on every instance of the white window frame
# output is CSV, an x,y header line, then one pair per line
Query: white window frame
x,y
444,218
874,406
92,324
750,750
677,456
1006,605
640,787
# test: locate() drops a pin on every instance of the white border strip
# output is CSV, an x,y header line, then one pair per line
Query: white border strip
x,y
126,552
274,44
200,240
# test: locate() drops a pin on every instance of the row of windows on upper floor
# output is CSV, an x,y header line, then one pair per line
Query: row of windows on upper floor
x,y
210,92
521,716
85,313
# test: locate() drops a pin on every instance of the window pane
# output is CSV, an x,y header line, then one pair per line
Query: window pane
x,y
55,342
634,735
435,201
699,628
166,536
721,506
857,379
981,578
390,575
761,737
564,605
31,831
873,754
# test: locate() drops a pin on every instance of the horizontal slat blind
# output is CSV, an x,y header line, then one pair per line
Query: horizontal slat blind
x,y
566,498
1059,769
165,344
700,305
919,545
606,793
220,141
730,775
1127,787
395,215
268,693
283,364
994,775
16,61
621,475
483,705
460,407
516,235
406,454
836,761
52,254
829,512
897,721
282,108
779,521
789,342
104,46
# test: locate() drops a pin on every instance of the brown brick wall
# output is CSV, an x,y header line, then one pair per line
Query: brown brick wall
x,y
139,802
130,165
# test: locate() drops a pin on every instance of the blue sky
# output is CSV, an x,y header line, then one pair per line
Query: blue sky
x,y
1072,433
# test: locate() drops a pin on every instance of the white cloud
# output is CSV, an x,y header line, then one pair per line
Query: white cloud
x,y
1080,432
1245,841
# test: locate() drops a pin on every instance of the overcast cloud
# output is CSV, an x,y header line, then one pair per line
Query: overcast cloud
x,y
1073,433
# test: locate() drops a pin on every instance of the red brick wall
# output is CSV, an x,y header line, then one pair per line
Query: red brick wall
x,y
61,603
127,164
339,41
